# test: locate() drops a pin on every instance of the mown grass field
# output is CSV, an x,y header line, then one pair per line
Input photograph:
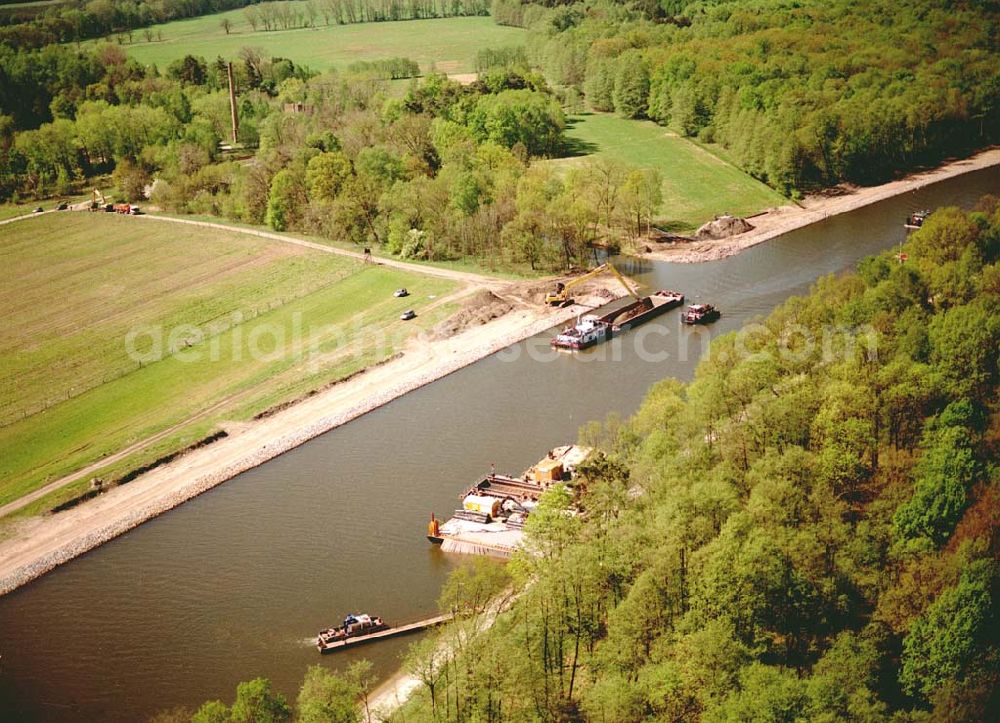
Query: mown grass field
x,y
449,44
275,321
697,185
10,210
488,267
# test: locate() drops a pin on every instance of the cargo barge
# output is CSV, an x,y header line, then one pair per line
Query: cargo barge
x,y
592,329
641,311
494,510
362,628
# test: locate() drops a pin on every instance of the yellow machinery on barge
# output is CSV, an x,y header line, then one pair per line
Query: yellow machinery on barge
x,y
491,518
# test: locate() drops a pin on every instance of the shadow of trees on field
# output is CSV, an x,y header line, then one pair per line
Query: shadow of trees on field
x,y
576,147
671,227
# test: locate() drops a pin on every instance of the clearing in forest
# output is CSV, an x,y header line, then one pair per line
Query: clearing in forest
x,y
449,44
697,184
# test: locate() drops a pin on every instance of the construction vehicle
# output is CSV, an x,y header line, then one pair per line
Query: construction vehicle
x,y
97,201
561,296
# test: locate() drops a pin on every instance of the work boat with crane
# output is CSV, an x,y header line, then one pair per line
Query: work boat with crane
x,y
592,329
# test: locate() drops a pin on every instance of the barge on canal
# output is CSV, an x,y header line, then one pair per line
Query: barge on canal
x,y
494,510
359,629
355,628
592,329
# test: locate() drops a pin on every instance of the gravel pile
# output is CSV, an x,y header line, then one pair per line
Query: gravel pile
x,y
723,227
483,307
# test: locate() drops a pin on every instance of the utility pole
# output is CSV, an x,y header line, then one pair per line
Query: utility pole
x,y
232,102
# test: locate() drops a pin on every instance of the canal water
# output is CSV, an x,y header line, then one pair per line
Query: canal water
x,y
233,585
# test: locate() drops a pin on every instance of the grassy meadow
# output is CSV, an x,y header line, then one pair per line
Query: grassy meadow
x,y
449,44
22,208
697,184
246,323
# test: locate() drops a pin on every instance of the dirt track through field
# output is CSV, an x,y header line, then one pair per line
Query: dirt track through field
x,y
463,276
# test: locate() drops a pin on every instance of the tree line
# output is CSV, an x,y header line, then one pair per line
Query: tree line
x,y
802,95
294,14
445,172
104,112
388,69
77,21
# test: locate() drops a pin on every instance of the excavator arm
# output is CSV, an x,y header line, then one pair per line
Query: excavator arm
x,y
98,201
561,295
622,281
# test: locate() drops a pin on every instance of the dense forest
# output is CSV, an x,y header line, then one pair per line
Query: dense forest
x,y
803,93
809,530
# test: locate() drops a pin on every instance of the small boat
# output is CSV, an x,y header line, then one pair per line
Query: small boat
x,y
916,219
434,531
700,314
587,332
355,627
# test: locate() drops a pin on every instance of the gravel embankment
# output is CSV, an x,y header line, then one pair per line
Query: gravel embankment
x,y
42,545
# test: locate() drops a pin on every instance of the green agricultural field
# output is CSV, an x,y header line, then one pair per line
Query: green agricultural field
x,y
697,184
241,324
11,210
449,44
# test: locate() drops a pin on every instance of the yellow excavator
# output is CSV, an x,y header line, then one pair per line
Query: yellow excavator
x,y
97,200
561,296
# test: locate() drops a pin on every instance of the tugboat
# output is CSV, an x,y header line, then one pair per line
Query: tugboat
x,y
700,314
355,626
916,219
589,330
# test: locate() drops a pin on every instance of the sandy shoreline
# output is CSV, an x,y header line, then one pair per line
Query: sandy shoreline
x,y
40,544
812,209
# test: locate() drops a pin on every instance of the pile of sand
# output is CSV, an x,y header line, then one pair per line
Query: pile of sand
x,y
723,227
534,291
482,307
602,293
